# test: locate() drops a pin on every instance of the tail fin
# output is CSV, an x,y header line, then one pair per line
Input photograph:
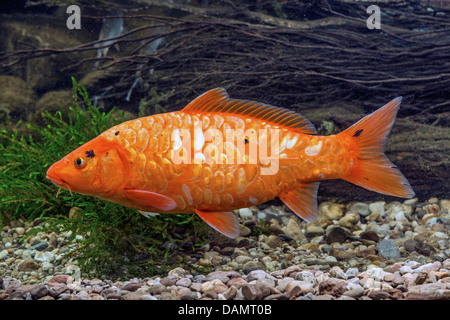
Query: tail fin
x,y
373,170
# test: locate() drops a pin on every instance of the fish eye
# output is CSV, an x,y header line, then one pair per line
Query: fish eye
x,y
79,162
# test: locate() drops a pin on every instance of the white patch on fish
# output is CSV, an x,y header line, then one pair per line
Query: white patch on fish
x,y
291,142
187,193
253,200
314,149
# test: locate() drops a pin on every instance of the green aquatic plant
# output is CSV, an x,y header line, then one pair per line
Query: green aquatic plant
x,y
24,189
117,241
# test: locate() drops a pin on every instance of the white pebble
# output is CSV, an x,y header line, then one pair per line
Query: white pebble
x,y
44,256
405,269
306,276
46,266
351,272
261,215
377,207
377,274
372,284
245,213
413,264
19,230
440,235
3,254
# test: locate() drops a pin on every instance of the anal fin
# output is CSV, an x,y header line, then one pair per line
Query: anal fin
x,y
303,200
226,223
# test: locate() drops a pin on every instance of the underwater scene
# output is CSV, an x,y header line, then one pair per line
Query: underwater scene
x,y
251,150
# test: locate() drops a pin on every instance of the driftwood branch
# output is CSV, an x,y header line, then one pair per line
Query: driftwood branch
x,y
315,57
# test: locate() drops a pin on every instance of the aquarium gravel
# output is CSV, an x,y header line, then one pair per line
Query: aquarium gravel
x,y
377,250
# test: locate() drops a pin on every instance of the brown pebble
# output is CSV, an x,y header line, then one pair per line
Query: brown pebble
x,y
28,265
251,292
60,278
389,277
424,248
365,252
332,287
114,296
370,235
210,294
230,293
166,281
379,295
132,286
237,282
421,277
277,296
290,270
338,234
419,296
440,274
38,291
341,254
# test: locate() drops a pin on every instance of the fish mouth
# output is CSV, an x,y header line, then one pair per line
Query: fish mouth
x,y
56,180
59,183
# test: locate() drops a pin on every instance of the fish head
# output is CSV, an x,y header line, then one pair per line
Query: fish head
x,y
94,169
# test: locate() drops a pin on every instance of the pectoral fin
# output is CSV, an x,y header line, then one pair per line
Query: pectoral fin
x,y
303,200
151,199
226,223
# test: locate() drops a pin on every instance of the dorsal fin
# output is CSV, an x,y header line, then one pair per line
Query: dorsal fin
x,y
217,100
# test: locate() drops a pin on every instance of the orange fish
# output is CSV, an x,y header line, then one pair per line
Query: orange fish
x,y
220,154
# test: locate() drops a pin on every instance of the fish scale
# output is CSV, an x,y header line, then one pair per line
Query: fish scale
x,y
162,163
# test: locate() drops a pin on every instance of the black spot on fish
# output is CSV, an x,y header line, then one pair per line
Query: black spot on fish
x,y
246,140
90,153
117,133
358,133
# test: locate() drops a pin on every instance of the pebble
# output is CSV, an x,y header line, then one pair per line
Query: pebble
x,y
360,208
329,211
388,249
349,221
377,206
359,251
313,230
293,230
245,213
337,234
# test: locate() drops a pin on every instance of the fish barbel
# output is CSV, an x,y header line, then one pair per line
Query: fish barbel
x,y
220,154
